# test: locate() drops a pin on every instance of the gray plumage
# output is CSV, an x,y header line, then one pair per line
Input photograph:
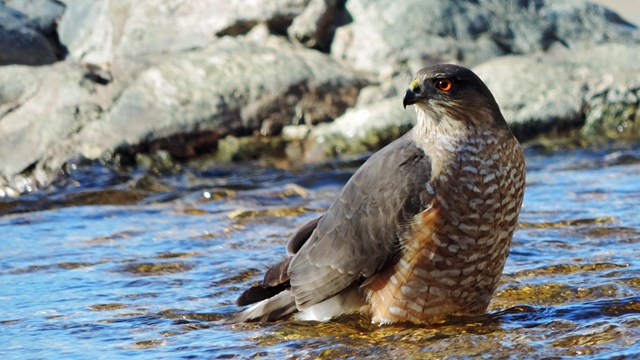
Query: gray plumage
x,y
422,230
355,238
359,233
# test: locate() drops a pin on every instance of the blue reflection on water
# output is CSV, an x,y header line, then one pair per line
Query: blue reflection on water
x,y
78,280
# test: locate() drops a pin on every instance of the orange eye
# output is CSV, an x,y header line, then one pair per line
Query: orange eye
x,y
444,85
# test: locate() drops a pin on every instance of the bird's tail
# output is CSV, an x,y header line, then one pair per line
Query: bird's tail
x,y
273,308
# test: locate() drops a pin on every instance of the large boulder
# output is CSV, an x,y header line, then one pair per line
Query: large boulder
x,y
41,106
593,90
386,36
97,32
230,86
181,75
87,30
155,26
545,93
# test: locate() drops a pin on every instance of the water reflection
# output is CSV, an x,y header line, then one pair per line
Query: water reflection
x,y
112,264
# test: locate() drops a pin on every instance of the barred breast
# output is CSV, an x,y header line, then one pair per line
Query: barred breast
x,y
453,253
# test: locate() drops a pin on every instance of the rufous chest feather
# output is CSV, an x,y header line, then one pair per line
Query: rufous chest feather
x,y
454,252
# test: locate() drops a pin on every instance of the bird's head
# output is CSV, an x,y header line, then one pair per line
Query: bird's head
x,y
453,96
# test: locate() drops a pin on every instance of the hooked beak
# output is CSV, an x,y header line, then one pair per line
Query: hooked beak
x,y
410,98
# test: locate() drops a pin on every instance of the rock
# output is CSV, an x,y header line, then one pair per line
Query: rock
x,y
316,25
179,77
238,16
628,9
42,15
388,37
538,94
38,108
613,107
226,87
20,43
231,86
359,130
233,148
548,93
96,32
87,31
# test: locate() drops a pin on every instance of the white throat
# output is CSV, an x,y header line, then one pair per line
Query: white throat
x,y
446,140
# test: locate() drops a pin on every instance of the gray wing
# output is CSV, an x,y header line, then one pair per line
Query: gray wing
x,y
302,235
359,235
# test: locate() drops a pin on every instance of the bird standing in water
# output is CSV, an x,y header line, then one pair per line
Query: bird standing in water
x,y
422,230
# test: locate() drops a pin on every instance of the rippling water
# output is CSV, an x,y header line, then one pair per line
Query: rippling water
x,y
128,264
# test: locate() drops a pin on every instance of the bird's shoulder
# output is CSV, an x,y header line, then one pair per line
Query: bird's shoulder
x,y
360,232
401,166
387,180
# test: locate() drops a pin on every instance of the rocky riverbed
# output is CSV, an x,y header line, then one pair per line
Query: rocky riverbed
x,y
299,79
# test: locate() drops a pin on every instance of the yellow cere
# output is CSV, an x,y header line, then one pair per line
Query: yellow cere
x,y
414,85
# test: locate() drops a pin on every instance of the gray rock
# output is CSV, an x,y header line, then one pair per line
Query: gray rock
x,y
20,43
97,31
366,128
538,94
154,26
38,108
180,76
228,86
57,114
612,108
545,93
388,37
316,25
87,31
42,15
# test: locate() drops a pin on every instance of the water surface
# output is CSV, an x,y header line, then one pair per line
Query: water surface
x,y
112,264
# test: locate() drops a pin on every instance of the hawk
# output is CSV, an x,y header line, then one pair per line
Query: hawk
x,y
422,229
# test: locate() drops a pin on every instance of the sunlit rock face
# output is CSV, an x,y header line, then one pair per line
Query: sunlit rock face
x,y
121,77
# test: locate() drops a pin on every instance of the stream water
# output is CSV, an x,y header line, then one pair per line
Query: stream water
x,y
112,264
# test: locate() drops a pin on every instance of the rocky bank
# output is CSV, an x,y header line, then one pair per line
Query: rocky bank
x,y
308,78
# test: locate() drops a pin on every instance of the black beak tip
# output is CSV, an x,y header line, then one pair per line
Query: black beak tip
x,y
409,98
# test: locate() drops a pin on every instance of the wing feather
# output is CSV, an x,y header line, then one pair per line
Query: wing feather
x,y
359,235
